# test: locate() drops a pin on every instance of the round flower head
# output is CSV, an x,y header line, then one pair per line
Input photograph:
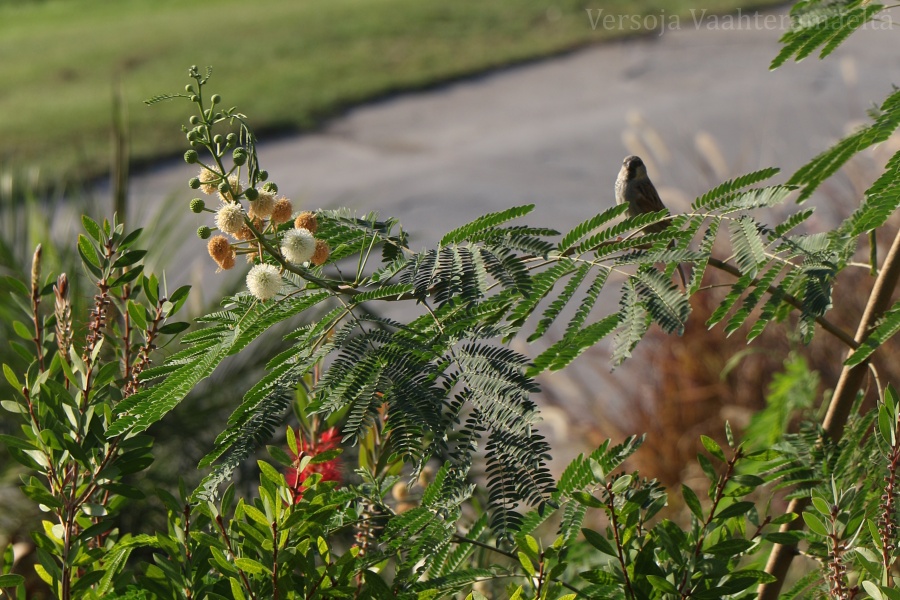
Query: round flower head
x,y
320,256
208,181
235,189
264,281
307,220
230,217
219,247
298,246
262,206
221,251
281,212
227,263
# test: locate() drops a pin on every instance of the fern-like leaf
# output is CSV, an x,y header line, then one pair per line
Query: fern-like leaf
x,y
747,243
560,302
484,222
732,186
664,302
584,228
882,199
884,330
634,323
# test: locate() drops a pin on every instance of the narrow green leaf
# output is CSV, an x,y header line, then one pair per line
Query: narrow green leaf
x,y
712,447
692,501
815,524
91,227
598,541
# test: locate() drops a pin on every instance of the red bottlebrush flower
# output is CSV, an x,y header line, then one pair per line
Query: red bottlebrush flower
x,y
329,470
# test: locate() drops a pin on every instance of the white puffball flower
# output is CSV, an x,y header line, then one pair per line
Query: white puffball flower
x,y
298,246
264,281
230,217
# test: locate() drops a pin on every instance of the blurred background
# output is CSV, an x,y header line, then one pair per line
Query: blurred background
x,y
434,113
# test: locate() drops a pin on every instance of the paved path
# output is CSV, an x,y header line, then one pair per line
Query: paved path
x,y
553,133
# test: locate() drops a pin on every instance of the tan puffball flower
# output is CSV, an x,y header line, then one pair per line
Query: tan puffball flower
x,y
227,263
307,220
261,208
230,217
220,250
235,191
208,181
244,233
219,247
282,211
320,256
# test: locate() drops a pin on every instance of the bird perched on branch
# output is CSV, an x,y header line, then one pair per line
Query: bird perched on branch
x,y
633,187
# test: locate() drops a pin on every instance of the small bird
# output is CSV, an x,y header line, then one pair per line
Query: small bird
x,y
633,187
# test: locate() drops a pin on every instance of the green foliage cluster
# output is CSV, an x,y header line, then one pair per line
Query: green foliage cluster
x,y
441,386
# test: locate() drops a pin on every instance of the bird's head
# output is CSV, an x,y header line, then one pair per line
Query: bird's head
x,y
634,166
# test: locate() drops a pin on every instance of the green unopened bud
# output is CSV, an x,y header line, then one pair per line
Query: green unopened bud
x,y
195,120
192,135
219,115
195,144
224,187
207,113
204,232
191,157
263,175
197,205
239,156
251,194
195,98
216,98
231,138
194,183
218,139
189,89
271,188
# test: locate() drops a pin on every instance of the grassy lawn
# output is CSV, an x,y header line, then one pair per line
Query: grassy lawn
x,y
286,63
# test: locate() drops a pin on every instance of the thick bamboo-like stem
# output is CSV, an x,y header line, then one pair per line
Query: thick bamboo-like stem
x,y
848,384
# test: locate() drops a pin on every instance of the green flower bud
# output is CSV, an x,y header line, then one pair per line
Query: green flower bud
x,y
194,183
204,232
195,144
251,193
191,157
197,205
189,89
239,156
195,98
192,135
224,187
195,120
216,98
231,138
263,175
219,115
218,139
207,113
271,188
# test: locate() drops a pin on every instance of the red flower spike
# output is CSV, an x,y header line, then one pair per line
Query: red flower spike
x,y
329,470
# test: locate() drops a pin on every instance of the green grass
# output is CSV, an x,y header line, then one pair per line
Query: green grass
x,y
286,63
